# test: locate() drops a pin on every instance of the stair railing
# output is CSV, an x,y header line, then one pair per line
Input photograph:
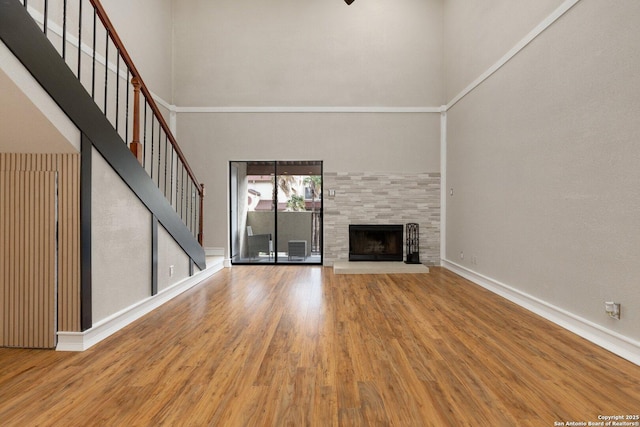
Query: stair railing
x,y
87,41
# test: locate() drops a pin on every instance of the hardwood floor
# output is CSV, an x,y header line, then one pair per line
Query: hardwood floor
x,y
263,346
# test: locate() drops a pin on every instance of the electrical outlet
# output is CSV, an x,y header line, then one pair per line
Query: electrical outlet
x,y
612,309
171,271
461,254
474,260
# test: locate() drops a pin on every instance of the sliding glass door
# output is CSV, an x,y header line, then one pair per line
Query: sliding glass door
x,y
276,212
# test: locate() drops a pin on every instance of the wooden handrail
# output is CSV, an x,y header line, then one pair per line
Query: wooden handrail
x,y
101,13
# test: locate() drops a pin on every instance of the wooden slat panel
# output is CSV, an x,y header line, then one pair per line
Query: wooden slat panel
x,y
68,168
4,255
69,248
28,264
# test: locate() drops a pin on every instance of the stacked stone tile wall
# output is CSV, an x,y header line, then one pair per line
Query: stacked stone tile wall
x,y
381,198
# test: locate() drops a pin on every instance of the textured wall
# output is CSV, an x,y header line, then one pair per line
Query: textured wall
x,y
381,198
479,32
120,243
170,254
543,158
146,29
295,53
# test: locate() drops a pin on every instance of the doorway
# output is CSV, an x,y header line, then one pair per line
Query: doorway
x,y
276,212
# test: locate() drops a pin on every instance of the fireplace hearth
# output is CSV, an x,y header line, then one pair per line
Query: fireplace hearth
x,y
375,242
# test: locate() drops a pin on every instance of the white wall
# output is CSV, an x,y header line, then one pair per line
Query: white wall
x,y
170,255
122,246
145,27
479,32
308,53
543,159
120,243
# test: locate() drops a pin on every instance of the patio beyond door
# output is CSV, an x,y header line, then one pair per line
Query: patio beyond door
x,y
276,212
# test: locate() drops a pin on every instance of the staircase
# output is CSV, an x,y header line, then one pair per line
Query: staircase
x,y
75,54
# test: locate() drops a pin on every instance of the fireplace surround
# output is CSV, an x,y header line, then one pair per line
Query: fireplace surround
x,y
375,242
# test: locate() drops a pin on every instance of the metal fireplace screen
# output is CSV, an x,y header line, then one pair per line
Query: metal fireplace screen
x,y
374,242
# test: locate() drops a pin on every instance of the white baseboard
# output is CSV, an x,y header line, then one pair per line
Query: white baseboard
x,y
214,251
219,252
616,343
80,341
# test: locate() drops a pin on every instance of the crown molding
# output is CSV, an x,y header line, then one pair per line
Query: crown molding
x,y
308,109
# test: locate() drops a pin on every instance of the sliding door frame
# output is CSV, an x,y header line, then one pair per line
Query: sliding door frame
x,y
233,210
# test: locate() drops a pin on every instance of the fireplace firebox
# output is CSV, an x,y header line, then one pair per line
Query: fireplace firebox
x,y
374,242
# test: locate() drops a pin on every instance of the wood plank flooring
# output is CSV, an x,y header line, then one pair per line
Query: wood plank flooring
x,y
296,346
